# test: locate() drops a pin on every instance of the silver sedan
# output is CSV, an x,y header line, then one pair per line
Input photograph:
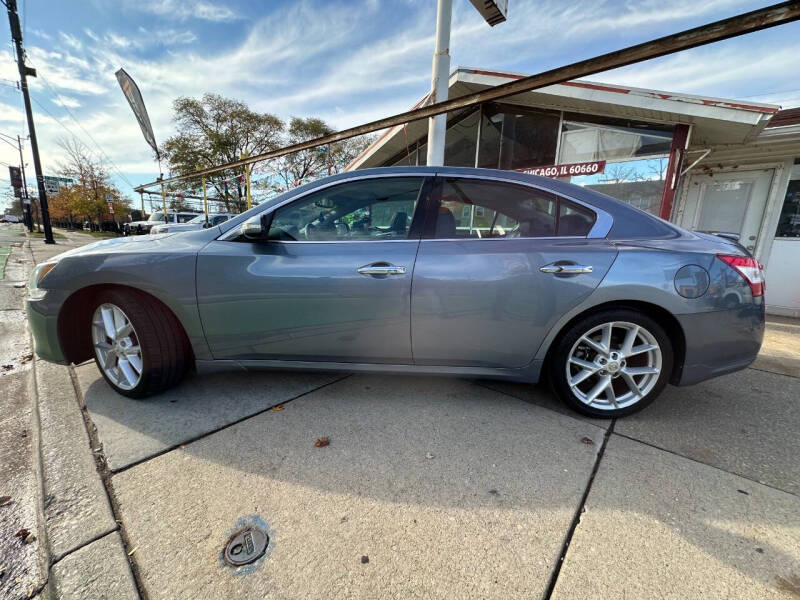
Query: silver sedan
x,y
452,271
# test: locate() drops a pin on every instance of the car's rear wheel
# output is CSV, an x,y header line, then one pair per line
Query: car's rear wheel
x,y
139,345
611,363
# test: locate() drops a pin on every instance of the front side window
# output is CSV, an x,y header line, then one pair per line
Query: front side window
x,y
487,209
370,209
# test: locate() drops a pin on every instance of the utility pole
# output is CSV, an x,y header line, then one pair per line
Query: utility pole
x,y
16,35
26,200
440,80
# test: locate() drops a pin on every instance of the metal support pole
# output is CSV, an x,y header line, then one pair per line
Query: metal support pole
x,y
16,35
26,199
205,200
164,202
440,79
141,197
247,181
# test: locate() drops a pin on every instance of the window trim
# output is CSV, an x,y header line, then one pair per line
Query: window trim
x,y
600,228
419,213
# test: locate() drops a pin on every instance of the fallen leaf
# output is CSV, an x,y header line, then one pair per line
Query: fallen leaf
x,y
278,407
29,539
323,441
26,358
587,441
22,533
5,500
7,367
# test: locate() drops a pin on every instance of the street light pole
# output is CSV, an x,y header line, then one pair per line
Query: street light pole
x,y
16,35
440,80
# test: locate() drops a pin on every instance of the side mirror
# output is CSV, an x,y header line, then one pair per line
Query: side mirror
x,y
252,229
256,228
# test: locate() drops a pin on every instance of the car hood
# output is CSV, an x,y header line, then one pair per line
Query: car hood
x,y
114,245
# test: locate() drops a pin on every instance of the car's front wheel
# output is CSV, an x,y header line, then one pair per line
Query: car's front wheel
x,y
139,345
611,363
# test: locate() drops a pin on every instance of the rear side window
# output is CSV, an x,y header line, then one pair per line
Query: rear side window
x,y
472,208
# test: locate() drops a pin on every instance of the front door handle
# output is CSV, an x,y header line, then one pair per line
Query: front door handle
x,y
565,269
382,269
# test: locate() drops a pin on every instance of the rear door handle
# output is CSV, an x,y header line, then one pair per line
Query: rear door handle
x,y
565,269
382,269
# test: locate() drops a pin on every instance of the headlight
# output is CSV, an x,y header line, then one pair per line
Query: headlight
x,y
34,291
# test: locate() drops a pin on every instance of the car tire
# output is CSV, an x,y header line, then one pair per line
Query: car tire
x,y
598,371
123,321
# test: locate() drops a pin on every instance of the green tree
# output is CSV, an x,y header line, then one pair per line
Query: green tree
x,y
93,188
215,130
300,167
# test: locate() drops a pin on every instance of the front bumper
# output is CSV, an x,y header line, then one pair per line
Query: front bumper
x,y
44,329
720,342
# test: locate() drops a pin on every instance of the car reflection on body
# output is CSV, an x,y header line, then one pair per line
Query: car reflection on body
x,y
464,272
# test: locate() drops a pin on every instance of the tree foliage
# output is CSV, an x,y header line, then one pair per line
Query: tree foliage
x,y
88,197
214,130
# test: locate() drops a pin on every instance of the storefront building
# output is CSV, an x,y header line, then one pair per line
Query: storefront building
x,y
703,163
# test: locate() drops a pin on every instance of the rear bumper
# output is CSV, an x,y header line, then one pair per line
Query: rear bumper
x,y
720,342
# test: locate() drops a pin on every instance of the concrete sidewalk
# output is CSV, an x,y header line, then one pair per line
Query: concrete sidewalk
x,y
430,487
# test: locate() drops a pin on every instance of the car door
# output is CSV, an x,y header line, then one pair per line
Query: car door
x,y
330,282
498,264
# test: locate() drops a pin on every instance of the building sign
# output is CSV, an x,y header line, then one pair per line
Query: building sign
x,y
53,185
570,170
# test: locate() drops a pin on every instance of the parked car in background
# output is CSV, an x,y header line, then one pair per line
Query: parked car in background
x,y
445,270
199,222
138,227
9,218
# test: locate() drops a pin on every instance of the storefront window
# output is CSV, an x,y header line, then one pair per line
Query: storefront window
x,y
514,137
636,156
462,133
639,183
789,221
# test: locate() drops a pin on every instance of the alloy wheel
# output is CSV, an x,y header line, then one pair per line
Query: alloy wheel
x,y
116,346
614,365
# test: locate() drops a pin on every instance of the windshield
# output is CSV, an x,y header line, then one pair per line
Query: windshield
x,y
198,219
156,216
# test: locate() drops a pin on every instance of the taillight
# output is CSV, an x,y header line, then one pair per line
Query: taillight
x,y
749,268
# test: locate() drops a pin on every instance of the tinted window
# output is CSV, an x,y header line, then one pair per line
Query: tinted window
x,y
370,209
487,209
574,220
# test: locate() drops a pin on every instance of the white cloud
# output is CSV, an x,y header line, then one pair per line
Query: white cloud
x,y
183,10
67,101
70,40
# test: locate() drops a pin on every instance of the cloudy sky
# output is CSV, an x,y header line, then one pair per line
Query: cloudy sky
x,y
346,61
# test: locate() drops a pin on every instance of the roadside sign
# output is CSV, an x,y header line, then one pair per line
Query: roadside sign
x,y
53,185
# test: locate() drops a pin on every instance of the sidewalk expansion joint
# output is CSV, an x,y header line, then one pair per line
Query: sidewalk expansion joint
x,y
700,462
576,519
223,428
56,559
